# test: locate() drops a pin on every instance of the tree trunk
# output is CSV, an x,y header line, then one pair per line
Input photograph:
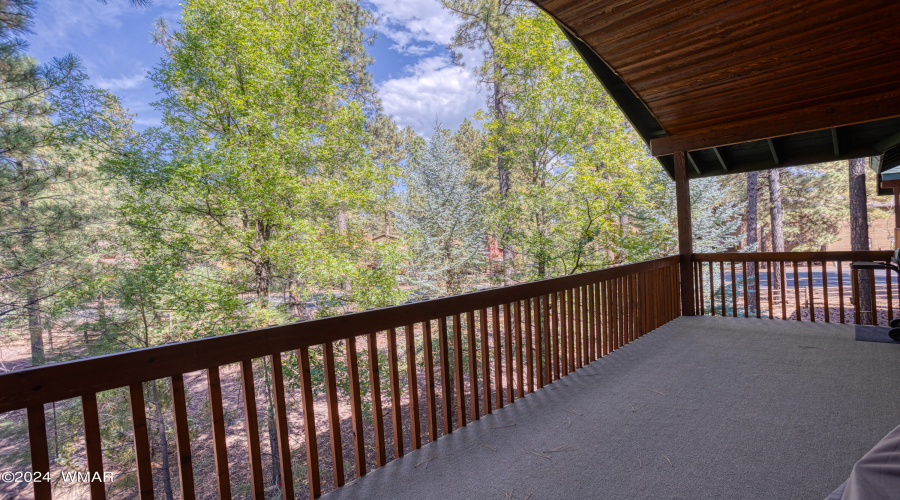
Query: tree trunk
x,y
33,310
503,177
752,239
272,429
776,212
262,267
32,298
163,441
859,233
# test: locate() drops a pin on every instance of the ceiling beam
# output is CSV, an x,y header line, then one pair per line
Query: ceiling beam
x,y
774,152
834,140
888,142
693,163
721,160
775,123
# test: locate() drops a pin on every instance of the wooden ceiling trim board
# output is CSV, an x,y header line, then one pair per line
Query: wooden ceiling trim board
x,y
736,35
699,122
693,163
772,149
834,140
819,117
715,56
721,160
635,110
888,142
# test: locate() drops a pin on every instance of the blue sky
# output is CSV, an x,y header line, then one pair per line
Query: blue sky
x,y
415,77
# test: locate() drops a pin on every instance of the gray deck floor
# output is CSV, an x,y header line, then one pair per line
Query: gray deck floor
x,y
742,408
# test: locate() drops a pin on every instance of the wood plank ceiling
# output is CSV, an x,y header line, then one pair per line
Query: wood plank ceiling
x,y
702,76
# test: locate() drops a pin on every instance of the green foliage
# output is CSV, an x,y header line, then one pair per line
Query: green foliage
x,y
575,165
443,220
259,155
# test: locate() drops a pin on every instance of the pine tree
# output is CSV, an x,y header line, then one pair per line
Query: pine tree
x,y
484,23
442,219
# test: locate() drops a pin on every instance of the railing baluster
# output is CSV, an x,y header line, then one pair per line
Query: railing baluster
x,y
568,347
592,324
617,313
712,292
375,391
604,311
744,282
733,291
825,288
507,335
411,368
252,428
722,285
182,438
40,456
700,290
498,372
281,426
309,418
485,360
446,385
598,321
565,323
854,278
141,440
217,415
473,366
756,294
529,354
874,313
796,266
541,336
890,299
769,287
812,295
577,317
784,315
458,371
840,277
429,379
359,442
334,417
396,409
554,333
520,375
635,317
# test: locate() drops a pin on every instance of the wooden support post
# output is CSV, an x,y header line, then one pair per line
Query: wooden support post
x,y
685,235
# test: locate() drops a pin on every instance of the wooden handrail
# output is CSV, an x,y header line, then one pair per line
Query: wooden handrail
x,y
55,382
844,255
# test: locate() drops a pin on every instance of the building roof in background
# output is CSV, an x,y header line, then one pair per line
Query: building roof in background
x,y
746,86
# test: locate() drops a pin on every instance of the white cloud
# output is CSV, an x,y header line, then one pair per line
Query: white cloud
x,y
434,89
123,82
408,21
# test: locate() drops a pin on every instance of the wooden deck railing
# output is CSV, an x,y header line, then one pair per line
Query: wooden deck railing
x,y
804,286
465,356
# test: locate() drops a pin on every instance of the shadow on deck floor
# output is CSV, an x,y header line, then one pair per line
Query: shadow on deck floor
x,y
699,408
